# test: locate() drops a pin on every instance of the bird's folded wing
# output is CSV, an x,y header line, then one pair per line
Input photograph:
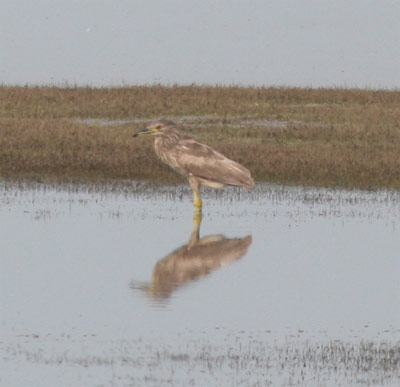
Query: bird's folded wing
x,y
201,161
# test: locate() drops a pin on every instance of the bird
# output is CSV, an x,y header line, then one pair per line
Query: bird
x,y
196,161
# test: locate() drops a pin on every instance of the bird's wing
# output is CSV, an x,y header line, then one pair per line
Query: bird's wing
x,y
201,161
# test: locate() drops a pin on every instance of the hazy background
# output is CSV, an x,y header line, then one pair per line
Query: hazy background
x,y
292,43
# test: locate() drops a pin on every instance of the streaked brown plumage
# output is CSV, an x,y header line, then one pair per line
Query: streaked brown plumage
x,y
198,162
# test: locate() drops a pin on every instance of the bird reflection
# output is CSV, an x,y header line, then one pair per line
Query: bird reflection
x,y
192,261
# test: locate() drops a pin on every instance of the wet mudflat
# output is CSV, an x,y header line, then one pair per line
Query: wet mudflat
x,y
115,286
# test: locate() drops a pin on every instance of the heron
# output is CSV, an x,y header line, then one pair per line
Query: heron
x,y
198,162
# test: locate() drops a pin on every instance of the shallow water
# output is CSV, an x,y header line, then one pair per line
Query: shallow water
x,y
283,286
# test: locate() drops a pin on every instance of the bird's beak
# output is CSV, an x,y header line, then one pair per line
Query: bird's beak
x,y
142,132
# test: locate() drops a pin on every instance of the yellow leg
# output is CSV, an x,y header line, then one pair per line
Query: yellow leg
x,y
198,205
194,236
197,216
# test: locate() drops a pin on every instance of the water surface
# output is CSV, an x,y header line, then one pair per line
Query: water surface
x,y
281,285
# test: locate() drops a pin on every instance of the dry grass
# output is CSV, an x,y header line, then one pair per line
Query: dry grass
x,y
330,137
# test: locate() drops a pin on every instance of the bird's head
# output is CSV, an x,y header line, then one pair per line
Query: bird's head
x,y
154,128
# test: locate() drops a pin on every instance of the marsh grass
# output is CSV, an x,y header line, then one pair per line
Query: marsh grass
x,y
256,363
319,137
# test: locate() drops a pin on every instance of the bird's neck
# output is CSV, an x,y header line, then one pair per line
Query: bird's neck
x,y
167,139
164,144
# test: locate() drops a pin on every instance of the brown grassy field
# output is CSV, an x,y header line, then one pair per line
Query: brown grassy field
x,y
319,137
